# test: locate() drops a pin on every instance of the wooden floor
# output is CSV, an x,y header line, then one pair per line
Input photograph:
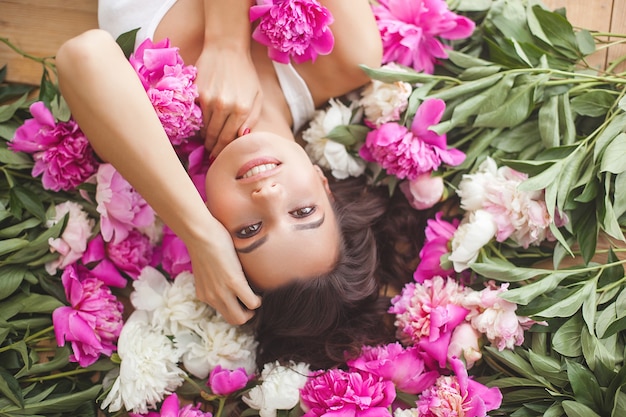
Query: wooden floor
x,y
38,27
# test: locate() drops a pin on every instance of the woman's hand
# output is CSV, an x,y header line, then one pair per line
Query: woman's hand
x,y
230,94
219,279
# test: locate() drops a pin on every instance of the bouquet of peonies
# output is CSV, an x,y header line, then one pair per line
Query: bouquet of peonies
x,y
484,116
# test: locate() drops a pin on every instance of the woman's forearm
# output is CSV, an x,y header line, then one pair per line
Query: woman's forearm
x,y
111,107
227,24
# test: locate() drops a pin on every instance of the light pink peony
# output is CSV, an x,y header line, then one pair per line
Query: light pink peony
x,y
465,344
458,395
73,241
410,153
404,367
428,313
384,102
170,87
225,381
61,151
295,29
424,191
341,393
410,31
92,322
171,408
175,256
495,317
121,208
439,233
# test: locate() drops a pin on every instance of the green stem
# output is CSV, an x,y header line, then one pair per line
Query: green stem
x,y
220,407
59,375
28,339
44,61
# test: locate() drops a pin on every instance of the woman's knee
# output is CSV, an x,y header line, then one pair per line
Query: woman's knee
x,y
85,48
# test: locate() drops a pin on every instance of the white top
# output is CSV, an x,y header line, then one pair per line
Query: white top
x,y
121,16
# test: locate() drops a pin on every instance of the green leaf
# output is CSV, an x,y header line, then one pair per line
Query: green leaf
x,y
576,409
467,88
58,404
58,361
126,41
613,157
589,304
586,42
10,388
29,201
613,318
619,405
600,351
7,111
566,339
549,122
15,160
19,228
585,226
593,103
614,128
12,245
585,385
619,202
566,307
513,111
559,31
526,293
348,135
12,278
503,270
549,368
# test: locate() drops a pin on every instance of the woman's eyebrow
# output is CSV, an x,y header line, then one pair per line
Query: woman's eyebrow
x,y
299,226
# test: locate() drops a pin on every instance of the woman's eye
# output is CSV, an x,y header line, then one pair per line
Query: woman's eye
x,y
249,231
303,212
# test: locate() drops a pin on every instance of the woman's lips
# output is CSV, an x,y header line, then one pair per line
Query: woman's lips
x,y
257,167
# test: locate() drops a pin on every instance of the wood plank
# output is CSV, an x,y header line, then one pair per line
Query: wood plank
x,y
593,15
618,25
39,27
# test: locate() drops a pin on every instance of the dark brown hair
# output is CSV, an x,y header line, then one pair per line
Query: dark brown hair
x,y
326,319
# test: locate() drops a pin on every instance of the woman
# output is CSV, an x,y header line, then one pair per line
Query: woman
x,y
311,255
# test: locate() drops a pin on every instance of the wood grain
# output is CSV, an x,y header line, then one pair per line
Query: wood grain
x,y
39,27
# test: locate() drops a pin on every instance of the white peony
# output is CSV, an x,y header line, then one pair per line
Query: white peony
x,y
473,188
412,412
148,371
470,237
343,165
173,306
73,241
280,388
327,153
216,342
384,102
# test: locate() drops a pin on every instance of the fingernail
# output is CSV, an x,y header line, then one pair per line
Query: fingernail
x,y
245,131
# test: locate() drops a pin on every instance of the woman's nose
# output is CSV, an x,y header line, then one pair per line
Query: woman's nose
x,y
267,189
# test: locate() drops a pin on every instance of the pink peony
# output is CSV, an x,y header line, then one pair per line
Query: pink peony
x,y
424,191
73,241
458,395
439,233
427,314
341,393
170,87
465,343
404,367
495,317
293,28
410,153
175,256
60,150
121,208
410,31
129,256
92,322
225,382
171,408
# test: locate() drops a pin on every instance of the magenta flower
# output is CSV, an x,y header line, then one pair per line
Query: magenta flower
x,y
340,393
121,208
426,314
458,395
170,87
92,322
439,233
293,28
225,382
174,254
410,31
404,367
410,153
129,256
171,408
62,153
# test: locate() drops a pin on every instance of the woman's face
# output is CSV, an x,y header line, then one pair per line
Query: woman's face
x,y
276,205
